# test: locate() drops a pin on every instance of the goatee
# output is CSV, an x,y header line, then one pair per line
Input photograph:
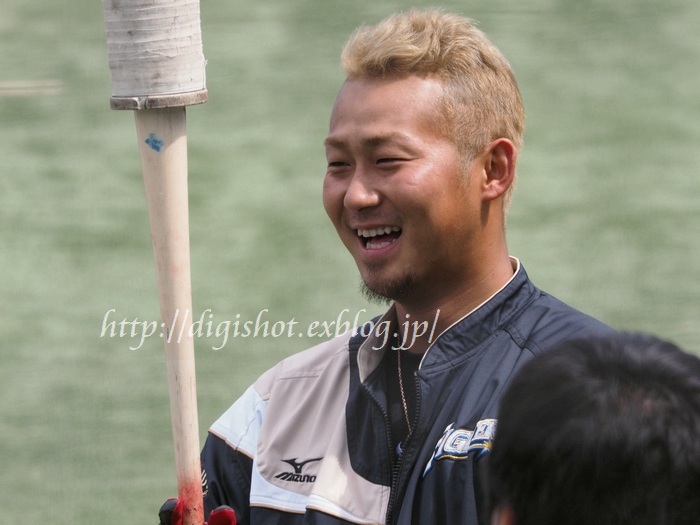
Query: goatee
x,y
386,292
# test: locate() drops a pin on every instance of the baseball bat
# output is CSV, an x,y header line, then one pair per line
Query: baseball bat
x,y
157,68
162,138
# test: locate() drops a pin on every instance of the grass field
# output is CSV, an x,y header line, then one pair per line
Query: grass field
x,y
605,216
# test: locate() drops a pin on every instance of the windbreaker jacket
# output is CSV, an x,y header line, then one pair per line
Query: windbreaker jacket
x,y
310,443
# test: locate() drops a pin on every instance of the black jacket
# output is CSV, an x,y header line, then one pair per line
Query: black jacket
x,y
309,442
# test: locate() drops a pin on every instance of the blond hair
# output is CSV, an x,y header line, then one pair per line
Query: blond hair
x,y
482,101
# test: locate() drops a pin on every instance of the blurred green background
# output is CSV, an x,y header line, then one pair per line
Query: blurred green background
x,y
605,216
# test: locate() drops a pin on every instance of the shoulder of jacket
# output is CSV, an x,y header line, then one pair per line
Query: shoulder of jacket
x,y
240,425
307,363
547,320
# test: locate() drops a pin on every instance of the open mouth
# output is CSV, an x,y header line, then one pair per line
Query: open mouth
x,y
378,238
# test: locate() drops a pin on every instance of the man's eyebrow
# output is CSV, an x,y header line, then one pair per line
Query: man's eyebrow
x,y
333,142
373,141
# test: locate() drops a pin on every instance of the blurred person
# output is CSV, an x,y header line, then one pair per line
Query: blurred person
x,y
387,424
600,431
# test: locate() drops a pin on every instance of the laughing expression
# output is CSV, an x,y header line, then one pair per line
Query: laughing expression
x,y
396,191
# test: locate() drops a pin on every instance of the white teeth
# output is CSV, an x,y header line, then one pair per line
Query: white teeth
x,y
378,245
377,231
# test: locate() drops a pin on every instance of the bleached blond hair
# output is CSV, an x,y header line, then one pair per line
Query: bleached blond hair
x,y
482,100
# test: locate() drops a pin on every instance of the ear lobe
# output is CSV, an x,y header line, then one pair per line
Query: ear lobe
x,y
499,167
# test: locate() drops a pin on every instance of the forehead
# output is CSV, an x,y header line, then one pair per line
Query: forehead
x,y
377,109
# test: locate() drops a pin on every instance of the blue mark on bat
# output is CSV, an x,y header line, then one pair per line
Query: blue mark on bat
x,y
154,142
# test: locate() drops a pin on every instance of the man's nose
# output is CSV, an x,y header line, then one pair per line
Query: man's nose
x,y
361,192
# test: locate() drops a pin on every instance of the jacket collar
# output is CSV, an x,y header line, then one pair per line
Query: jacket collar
x,y
460,337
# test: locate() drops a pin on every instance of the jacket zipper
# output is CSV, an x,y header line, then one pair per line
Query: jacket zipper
x,y
387,424
396,470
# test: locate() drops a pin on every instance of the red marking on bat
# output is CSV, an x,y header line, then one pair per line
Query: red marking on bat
x,y
190,492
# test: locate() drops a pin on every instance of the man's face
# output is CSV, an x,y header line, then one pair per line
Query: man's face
x,y
396,191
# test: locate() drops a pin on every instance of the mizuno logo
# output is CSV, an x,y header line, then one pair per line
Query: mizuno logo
x,y
297,476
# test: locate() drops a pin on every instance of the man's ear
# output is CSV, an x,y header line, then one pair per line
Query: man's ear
x,y
503,515
499,168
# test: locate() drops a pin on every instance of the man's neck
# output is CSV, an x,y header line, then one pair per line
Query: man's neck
x,y
421,322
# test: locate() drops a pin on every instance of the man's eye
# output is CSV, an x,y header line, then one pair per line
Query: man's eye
x,y
337,164
389,160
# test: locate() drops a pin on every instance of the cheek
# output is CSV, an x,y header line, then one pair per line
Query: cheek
x,y
330,197
448,215
333,198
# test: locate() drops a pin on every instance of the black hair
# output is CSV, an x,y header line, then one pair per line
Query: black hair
x,y
601,431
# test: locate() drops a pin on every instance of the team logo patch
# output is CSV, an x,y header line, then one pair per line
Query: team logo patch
x,y
297,476
457,443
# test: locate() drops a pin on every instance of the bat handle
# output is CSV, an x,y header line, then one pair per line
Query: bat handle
x,y
162,137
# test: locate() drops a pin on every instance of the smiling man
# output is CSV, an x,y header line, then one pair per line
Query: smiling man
x,y
424,224
368,428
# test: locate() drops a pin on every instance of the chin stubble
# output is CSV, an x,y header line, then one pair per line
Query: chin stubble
x,y
385,293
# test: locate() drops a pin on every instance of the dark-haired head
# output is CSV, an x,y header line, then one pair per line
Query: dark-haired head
x,y
600,431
